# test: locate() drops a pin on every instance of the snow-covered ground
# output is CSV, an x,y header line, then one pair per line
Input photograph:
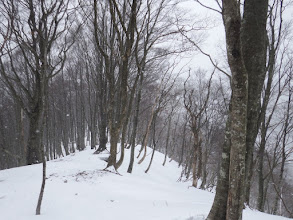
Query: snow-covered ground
x,y
78,189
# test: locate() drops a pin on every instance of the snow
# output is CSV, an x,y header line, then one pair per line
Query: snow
x,y
77,188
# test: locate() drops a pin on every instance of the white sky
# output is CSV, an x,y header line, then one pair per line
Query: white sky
x,y
214,43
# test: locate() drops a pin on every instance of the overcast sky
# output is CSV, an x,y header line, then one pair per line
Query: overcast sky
x,y
214,40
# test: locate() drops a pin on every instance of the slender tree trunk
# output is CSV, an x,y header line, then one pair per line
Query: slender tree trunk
x,y
65,142
264,126
126,50
199,170
38,209
66,117
260,198
195,158
44,122
22,138
204,169
93,137
80,125
135,124
173,138
278,185
120,161
219,207
194,165
125,125
167,141
189,160
154,143
144,144
182,145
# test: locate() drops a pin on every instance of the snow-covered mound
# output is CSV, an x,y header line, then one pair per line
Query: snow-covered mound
x,y
77,188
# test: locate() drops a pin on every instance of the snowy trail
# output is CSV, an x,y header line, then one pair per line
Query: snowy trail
x,y
78,189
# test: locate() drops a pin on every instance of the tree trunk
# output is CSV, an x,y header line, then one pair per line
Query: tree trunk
x,y
113,149
22,138
144,144
65,142
38,209
119,110
204,169
182,145
167,141
135,124
194,165
219,207
154,143
254,41
125,125
93,137
260,198
122,144
199,169
40,199
34,138
103,139
238,53
265,124
232,23
278,185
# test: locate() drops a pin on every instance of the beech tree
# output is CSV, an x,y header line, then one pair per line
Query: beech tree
x,y
35,45
35,29
195,104
246,52
117,83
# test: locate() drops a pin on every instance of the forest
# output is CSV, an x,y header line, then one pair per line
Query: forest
x,y
112,74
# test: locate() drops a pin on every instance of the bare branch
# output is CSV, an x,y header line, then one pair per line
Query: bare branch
x,y
210,8
204,53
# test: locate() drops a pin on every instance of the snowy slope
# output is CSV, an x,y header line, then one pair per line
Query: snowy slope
x,y
78,189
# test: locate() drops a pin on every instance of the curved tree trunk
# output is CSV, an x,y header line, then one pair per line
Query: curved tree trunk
x,y
154,143
125,125
135,124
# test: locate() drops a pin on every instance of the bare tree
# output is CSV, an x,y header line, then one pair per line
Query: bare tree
x,y
34,48
195,105
35,29
239,52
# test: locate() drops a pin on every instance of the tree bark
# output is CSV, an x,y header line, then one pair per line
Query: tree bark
x,y
219,207
254,41
118,115
38,209
167,141
154,143
241,46
232,23
35,132
135,124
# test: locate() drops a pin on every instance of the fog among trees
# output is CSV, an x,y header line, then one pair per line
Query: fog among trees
x,y
112,75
